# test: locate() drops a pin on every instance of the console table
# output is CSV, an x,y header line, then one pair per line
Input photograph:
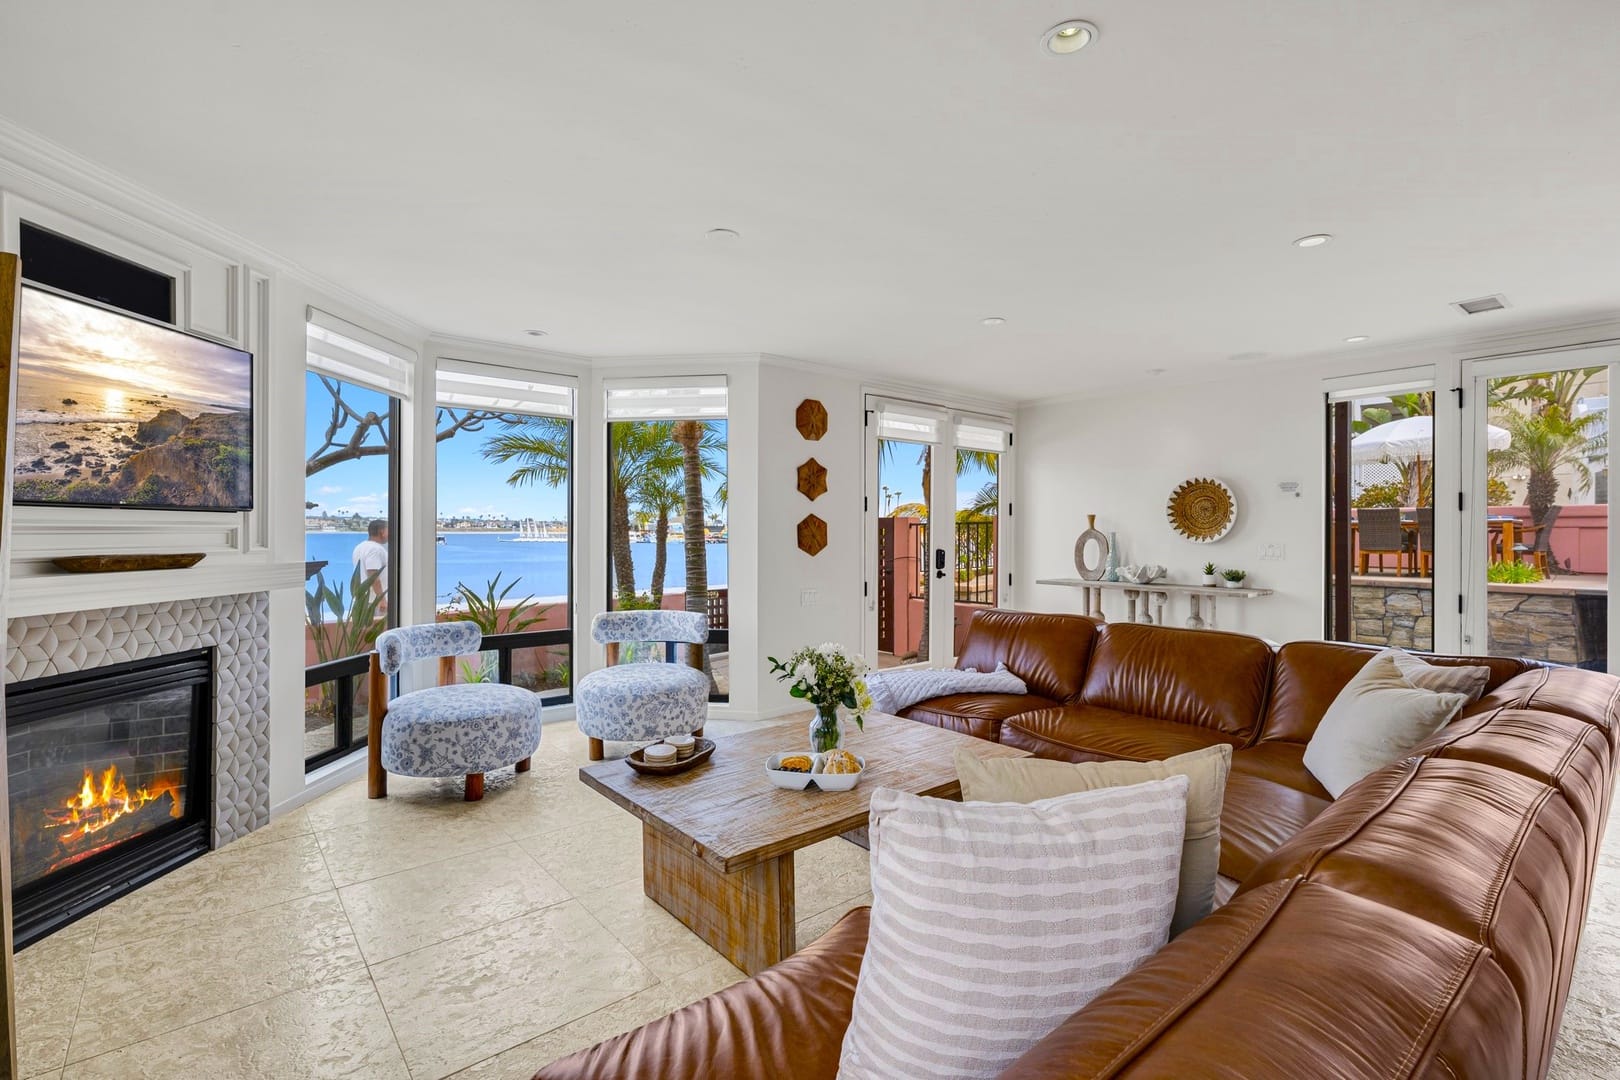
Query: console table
x,y
1139,597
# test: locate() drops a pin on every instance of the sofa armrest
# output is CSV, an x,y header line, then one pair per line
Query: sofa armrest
x,y
786,1021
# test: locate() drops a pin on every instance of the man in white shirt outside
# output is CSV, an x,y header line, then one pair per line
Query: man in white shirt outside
x,y
371,559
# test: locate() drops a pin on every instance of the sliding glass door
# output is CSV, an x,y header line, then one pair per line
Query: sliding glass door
x,y
938,522
1539,532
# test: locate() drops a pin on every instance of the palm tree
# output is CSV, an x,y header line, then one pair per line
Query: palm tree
x,y
636,449
657,497
699,443
1545,441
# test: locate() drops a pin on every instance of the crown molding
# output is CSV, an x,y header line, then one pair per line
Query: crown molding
x,y
74,179
445,344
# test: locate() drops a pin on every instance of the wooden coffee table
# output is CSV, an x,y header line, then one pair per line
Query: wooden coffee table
x,y
717,843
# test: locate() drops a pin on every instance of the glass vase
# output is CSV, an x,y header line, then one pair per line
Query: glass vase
x,y
826,730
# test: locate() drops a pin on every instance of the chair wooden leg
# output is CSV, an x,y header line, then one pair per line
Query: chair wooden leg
x,y
475,786
595,750
523,766
376,709
1365,562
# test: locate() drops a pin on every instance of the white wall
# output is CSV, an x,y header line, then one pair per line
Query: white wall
x,y
787,618
1120,456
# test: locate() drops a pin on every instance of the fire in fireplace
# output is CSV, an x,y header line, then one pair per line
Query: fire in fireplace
x,y
109,783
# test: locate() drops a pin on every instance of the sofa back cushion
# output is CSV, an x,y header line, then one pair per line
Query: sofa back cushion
x,y
1309,674
1493,855
1049,652
1296,980
1204,678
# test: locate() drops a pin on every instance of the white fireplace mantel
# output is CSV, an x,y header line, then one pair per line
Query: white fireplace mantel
x,y
44,590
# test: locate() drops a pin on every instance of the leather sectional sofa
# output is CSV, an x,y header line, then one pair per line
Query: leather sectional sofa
x,y
1422,925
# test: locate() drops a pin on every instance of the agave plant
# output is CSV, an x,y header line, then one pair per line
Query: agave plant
x,y
488,609
354,623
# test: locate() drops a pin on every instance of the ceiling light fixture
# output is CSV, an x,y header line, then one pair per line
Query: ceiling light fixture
x,y
1313,240
1069,36
992,320
1355,338
535,333
722,234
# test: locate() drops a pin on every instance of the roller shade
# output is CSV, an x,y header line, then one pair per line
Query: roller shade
x,y
356,355
976,433
462,384
906,421
692,398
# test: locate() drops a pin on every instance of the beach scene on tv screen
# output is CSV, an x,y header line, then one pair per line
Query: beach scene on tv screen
x,y
115,411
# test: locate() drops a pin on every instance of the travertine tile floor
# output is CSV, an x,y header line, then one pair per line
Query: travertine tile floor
x,y
423,936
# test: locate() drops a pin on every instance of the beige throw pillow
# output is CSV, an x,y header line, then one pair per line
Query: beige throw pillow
x,y
992,923
1027,780
1376,720
1443,678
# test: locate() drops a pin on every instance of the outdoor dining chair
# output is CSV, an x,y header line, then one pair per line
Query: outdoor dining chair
x,y
1424,516
1539,550
1379,533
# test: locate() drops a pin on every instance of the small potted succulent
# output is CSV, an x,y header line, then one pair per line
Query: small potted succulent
x,y
1209,573
1233,579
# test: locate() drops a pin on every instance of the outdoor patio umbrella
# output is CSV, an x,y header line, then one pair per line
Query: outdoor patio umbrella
x,y
1410,441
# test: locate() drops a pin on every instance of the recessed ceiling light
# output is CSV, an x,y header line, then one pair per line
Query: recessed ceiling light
x,y
535,333
1313,240
722,234
1156,371
993,320
1069,36
1355,338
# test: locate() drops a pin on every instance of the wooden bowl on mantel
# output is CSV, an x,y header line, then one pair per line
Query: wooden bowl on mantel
x,y
113,564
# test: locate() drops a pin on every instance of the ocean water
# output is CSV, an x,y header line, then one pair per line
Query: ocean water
x,y
475,558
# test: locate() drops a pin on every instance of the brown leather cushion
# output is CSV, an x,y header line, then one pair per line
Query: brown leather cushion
x,y
787,1021
1083,733
1281,763
1585,695
1049,652
1199,678
1310,674
1493,855
1295,980
1258,817
979,715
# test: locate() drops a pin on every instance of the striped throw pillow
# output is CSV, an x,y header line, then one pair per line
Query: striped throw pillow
x,y
993,922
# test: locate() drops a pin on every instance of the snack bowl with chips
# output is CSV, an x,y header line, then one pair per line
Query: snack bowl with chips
x,y
791,769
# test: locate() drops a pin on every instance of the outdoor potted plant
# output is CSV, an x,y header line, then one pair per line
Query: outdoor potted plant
x,y
1233,579
827,676
1209,573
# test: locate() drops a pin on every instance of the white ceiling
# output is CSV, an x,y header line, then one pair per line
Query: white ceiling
x,y
898,169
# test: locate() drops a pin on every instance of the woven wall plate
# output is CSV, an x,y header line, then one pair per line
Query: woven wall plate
x,y
1203,510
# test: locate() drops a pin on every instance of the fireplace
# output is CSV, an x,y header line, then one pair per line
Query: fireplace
x,y
110,783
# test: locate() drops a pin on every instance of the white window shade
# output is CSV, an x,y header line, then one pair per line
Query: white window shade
x,y
355,355
974,433
462,384
904,421
693,398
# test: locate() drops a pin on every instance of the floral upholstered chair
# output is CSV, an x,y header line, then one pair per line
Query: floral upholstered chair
x,y
449,729
644,702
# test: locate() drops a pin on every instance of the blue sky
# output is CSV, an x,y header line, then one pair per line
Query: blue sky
x,y
901,471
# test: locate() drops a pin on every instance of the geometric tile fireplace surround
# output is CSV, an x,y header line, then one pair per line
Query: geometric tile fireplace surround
x,y
237,628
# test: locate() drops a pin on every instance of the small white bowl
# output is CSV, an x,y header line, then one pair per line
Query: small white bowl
x,y
658,754
835,781
792,781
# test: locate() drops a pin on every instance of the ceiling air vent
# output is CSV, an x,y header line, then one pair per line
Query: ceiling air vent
x,y
1481,305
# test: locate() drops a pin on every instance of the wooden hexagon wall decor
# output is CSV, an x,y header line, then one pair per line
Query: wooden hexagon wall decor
x,y
812,535
811,419
812,479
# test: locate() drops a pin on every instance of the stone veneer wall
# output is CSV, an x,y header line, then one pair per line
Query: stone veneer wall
x,y
237,628
1538,625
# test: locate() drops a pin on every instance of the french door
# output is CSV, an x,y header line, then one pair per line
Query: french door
x,y
1538,528
938,527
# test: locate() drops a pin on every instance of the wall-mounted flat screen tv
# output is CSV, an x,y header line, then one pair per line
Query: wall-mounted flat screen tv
x,y
114,410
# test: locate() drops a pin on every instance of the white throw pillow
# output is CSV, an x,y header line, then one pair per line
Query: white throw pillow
x,y
992,923
1377,719
1443,678
1025,780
